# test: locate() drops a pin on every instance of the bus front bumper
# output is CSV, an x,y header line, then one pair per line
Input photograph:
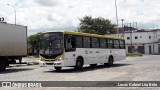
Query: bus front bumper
x,y
50,64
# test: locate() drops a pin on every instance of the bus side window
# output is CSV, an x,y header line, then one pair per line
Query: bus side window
x,y
70,43
86,42
95,42
73,42
79,42
110,43
116,44
103,43
122,44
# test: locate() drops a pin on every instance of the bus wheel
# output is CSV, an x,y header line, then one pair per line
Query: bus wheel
x,y
79,64
2,65
93,65
58,68
110,61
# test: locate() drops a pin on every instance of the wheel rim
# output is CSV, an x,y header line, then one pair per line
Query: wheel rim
x,y
79,64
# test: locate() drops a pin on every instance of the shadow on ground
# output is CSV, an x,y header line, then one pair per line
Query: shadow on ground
x,y
13,70
86,68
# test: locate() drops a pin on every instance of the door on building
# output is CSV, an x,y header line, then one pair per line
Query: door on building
x,y
150,50
130,49
141,49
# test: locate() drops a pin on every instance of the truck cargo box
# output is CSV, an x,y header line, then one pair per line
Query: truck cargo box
x,y
13,40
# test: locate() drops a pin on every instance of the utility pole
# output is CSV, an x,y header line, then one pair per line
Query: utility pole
x,y
14,11
153,24
116,17
136,26
131,36
122,28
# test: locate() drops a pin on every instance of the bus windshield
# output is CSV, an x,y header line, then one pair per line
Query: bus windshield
x,y
51,45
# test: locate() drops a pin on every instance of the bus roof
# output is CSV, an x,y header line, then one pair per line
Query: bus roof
x,y
86,34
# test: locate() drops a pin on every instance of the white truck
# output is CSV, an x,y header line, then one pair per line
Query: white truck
x,y
13,43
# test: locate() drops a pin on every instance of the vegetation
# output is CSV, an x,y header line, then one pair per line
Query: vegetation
x,y
134,54
34,43
96,25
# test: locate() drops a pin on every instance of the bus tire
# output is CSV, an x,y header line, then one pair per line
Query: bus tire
x,y
110,61
58,68
79,64
3,64
93,65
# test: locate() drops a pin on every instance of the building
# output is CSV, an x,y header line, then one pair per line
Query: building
x,y
145,42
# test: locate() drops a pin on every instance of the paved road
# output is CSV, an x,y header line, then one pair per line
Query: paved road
x,y
146,68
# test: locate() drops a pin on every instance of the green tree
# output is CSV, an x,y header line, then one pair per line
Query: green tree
x,y
34,43
96,25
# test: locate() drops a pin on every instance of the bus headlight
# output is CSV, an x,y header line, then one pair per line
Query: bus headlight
x,y
60,58
41,59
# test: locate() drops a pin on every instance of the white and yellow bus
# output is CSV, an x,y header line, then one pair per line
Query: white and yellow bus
x,y
75,49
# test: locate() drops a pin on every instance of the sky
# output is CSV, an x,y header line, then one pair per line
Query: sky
x,y
47,15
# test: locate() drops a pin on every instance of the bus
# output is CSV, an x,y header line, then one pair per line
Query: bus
x,y
75,49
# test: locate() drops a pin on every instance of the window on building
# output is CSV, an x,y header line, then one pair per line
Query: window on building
x,y
128,38
149,37
136,37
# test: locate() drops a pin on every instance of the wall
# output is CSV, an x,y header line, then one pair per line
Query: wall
x,y
154,48
142,37
144,40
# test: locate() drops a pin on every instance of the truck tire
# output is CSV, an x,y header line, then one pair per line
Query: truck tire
x,y
12,61
3,64
20,60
